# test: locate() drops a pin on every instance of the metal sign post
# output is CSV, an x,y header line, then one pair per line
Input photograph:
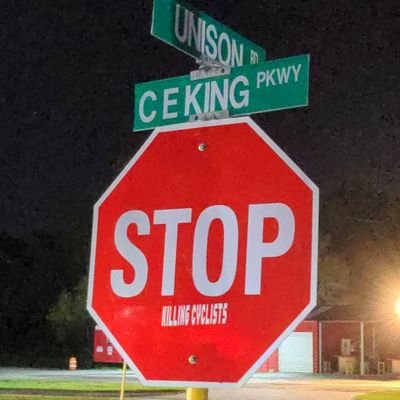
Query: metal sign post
x,y
196,394
122,392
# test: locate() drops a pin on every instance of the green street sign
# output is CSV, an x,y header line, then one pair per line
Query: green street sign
x,y
270,86
197,34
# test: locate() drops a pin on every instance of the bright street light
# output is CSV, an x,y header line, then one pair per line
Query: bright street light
x,y
397,307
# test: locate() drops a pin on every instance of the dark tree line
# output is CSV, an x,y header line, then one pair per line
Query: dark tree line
x,y
359,249
39,274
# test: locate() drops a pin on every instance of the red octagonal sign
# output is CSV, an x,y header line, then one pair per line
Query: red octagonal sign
x,y
204,254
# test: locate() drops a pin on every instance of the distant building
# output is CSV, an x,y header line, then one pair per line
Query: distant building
x,y
336,339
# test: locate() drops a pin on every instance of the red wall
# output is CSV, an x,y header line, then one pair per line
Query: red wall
x,y
333,332
272,363
103,350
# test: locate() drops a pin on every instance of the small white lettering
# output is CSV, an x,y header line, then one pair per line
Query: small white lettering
x,y
278,76
194,314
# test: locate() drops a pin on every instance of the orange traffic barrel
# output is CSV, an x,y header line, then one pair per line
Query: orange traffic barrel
x,y
73,364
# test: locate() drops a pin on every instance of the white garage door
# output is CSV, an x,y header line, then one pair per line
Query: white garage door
x,y
296,353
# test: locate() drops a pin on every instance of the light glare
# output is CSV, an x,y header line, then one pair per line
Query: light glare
x,y
397,307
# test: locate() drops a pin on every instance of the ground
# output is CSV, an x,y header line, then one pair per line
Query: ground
x,y
261,386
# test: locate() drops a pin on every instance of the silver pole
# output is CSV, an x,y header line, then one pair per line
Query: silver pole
x,y
320,347
362,356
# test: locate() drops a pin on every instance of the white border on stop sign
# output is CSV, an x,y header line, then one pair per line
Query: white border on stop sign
x,y
314,253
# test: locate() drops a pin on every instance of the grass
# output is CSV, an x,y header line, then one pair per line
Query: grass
x,y
75,385
388,395
43,389
50,397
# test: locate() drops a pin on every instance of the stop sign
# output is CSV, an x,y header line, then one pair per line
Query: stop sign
x,y
204,254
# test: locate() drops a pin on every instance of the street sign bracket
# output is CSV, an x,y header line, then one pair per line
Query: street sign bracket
x,y
209,116
205,61
209,71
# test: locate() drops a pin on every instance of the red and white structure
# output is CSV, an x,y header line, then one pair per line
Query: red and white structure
x,y
103,349
204,254
299,352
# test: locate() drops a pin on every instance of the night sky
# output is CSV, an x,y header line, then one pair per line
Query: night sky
x,y
67,75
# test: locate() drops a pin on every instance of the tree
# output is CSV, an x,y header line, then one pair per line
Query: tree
x,y
333,275
359,252
72,324
31,284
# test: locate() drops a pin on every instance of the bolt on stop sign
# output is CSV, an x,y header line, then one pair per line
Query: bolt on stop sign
x,y
204,254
